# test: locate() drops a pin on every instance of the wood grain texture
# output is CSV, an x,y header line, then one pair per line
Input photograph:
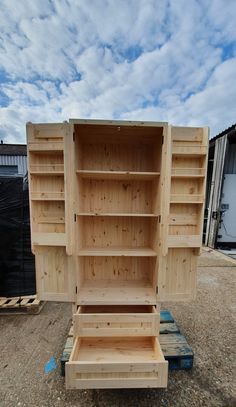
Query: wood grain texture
x,y
116,221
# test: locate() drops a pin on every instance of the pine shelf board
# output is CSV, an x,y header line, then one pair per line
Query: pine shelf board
x,y
188,171
108,292
46,147
47,198
186,198
173,201
144,215
51,220
187,176
126,175
189,153
47,173
117,251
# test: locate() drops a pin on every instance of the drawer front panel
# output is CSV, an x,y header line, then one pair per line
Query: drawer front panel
x,y
116,324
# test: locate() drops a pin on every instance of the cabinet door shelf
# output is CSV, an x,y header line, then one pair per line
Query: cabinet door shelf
x,y
186,198
47,173
187,176
188,172
194,150
51,220
108,292
47,196
117,251
126,175
46,147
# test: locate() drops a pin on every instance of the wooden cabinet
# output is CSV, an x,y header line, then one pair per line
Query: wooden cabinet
x,y
116,222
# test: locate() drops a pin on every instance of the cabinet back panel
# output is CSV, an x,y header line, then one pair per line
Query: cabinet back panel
x,y
116,196
118,268
115,231
118,157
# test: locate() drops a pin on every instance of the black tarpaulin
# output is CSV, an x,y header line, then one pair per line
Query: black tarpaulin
x,y
17,267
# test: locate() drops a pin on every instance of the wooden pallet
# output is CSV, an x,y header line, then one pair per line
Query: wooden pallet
x,y
29,304
173,344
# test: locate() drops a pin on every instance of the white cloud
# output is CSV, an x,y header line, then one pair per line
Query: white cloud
x,y
138,59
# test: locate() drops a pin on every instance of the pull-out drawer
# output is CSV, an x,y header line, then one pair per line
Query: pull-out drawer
x,y
116,320
116,363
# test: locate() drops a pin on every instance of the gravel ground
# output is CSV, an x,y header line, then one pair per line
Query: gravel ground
x,y
28,342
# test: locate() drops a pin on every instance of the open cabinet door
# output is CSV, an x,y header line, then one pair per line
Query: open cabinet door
x,y
182,211
54,277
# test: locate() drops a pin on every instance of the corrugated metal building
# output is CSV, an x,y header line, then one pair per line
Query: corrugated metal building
x,y
13,159
220,214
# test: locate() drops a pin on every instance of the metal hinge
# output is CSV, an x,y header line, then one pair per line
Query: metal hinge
x,y
75,217
159,219
156,290
76,289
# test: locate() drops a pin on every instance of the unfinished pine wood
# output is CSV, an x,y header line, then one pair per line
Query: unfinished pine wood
x,y
55,280
116,221
178,275
126,232
129,196
116,280
122,362
118,175
116,321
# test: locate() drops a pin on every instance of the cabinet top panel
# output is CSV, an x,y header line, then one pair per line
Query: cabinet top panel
x,y
119,122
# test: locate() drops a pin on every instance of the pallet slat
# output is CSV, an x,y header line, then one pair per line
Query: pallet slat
x,y
20,305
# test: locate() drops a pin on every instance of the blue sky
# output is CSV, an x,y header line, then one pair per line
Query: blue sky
x,y
163,60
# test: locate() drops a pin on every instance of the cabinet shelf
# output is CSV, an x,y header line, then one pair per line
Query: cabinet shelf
x,y
46,147
51,220
189,151
47,173
186,198
187,176
126,175
107,292
188,172
186,202
47,196
117,251
142,215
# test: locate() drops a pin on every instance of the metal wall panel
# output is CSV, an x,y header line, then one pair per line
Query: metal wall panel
x,y
19,160
230,162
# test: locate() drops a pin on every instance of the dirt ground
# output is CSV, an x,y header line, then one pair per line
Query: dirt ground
x,y
28,342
